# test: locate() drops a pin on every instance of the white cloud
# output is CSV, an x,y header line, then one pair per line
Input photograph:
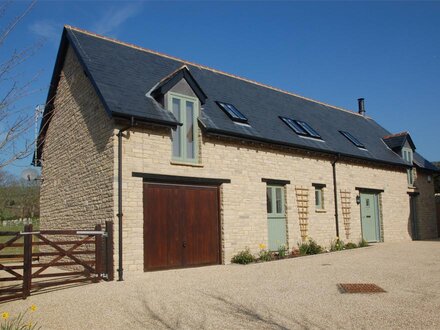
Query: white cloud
x,y
48,30
114,17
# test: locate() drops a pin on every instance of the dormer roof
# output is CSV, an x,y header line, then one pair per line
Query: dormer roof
x,y
397,141
172,79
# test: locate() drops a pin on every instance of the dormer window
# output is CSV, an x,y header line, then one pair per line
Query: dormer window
x,y
407,154
185,138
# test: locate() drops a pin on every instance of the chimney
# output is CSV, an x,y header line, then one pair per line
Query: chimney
x,y
361,106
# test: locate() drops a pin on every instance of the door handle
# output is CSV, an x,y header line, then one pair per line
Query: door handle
x,y
368,216
184,244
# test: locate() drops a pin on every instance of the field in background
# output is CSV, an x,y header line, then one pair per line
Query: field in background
x,y
16,225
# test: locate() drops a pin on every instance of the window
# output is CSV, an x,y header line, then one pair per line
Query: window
x,y
275,204
407,154
301,127
319,196
352,139
185,141
232,112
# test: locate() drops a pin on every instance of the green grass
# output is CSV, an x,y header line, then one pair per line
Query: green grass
x,y
15,227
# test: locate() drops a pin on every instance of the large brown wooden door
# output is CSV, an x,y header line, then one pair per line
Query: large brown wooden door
x,y
181,226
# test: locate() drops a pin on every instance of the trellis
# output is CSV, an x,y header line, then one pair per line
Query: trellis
x,y
302,200
346,210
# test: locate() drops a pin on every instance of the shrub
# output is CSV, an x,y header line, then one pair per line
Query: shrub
x,y
265,255
243,257
363,243
350,245
309,247
337,245
282,251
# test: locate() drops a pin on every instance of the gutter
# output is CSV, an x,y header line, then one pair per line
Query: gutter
x,y
335,191
120,215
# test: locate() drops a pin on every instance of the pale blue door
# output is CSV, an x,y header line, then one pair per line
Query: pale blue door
x,y
370,217
276,217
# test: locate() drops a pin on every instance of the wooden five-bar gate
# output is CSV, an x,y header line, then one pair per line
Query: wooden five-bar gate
x,y
32,260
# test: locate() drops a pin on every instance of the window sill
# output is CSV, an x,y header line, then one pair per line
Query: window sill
x,y
176,162
321,211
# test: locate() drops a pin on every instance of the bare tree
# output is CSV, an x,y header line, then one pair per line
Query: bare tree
x,y
15,120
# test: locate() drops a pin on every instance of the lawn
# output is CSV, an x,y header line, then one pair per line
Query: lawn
x,y
14,226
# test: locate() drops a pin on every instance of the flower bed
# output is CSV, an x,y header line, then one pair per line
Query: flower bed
x,y
307,247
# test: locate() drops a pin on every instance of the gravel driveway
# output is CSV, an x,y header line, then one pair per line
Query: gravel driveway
x,y
294,293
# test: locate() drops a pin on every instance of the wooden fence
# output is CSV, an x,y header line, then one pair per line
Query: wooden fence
x,y
32,260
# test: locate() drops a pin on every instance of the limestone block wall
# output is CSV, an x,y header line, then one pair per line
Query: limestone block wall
x,y
426,209
243,201
77,191
394,198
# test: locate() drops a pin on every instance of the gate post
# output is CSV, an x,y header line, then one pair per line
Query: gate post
x,y
109,262
98,253
27,261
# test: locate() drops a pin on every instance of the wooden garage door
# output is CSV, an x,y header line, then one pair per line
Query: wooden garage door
x,y
181,226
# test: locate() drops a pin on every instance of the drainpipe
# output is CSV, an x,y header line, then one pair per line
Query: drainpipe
x,y
119,135
335,191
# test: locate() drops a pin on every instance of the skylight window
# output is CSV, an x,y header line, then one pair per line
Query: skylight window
x,y
310,131
301,128
352,139
232,112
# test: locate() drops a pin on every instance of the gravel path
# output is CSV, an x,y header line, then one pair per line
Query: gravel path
x,y
294,293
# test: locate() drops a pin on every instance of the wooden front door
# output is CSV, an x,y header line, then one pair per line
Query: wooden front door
x,y
181,226
370,217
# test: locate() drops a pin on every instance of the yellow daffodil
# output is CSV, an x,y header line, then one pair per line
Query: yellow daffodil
x,y
262,246
5,315
30,325
33,308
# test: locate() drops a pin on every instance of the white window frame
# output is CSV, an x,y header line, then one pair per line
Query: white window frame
x,y
182,129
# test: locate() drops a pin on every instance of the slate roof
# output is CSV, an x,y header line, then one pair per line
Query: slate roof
x,y
397,141
123,75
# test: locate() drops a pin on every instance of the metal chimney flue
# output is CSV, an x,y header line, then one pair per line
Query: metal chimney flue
x,y
361,106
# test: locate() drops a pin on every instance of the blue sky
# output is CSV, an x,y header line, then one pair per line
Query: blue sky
x,y
335,52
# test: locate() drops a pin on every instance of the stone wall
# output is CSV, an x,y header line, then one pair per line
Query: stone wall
x,y
243,201
77,191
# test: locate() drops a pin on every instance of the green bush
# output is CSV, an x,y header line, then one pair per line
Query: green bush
x,y
265,255
363,243
350,246
309,247
243,257
337,245
282,251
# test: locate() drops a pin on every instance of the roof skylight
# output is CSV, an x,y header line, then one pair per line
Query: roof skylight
x,y
232,112
353,140
301,128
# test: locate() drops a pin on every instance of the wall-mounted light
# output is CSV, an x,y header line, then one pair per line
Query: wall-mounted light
x,y
429,179
358,199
